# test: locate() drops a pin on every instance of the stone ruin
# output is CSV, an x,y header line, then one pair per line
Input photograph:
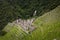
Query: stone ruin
x,y
26,24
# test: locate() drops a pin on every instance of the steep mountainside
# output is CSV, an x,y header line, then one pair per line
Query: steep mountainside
x,y
10,10
48,28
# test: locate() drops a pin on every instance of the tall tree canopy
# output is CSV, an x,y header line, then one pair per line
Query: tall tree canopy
x,y
26,8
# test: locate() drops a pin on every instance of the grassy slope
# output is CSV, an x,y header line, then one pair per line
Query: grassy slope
x,y
48,28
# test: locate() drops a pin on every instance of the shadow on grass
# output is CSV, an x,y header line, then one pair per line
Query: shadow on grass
x,y
2,33
12,11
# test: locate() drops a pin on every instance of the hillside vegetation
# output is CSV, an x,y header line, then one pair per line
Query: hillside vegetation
x,y
48,28
10,10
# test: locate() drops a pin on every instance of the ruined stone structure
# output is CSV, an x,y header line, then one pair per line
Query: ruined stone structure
x,y
26,24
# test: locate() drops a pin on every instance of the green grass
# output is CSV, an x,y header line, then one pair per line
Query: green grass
x,y
48,28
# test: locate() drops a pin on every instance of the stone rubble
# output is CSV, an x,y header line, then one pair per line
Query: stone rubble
x,y
26,24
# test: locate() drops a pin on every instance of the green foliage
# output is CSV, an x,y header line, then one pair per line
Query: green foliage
x,y
11,10
48,28
26,8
